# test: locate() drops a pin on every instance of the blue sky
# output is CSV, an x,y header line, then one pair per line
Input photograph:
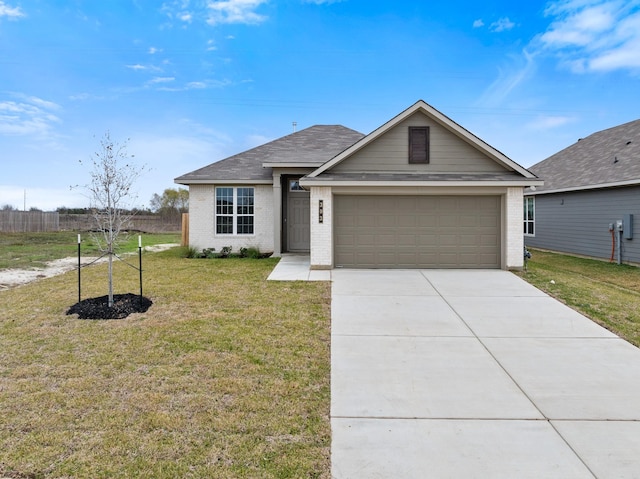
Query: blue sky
x,y
191,82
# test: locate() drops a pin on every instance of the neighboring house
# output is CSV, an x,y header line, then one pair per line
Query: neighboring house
x,y
588,188
418,192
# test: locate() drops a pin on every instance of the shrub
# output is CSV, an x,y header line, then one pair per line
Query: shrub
x,y
187,252
208,253
253,253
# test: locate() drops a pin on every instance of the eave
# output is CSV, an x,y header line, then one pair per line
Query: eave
x,y
222,182
600,186
310,182
309,166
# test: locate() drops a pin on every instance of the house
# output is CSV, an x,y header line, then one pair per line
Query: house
x,y
590,196
418,192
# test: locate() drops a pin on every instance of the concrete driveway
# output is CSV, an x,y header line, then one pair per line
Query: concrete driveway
x,y
463,374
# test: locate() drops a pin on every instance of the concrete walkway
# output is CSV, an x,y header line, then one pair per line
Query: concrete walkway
x,y
295,267
473,374
461,374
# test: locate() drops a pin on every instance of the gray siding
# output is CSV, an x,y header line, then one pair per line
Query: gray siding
x,y
578,222
448,152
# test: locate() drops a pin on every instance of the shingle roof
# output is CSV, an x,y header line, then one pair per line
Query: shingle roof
x,y
607,157
313,146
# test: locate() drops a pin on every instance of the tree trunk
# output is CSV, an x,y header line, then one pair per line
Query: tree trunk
x,y
110,277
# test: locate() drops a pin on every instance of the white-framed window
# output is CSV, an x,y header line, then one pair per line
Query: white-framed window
x,y
529,215
234,210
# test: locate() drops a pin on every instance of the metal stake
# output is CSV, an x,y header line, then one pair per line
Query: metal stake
x,y
140,264
79,267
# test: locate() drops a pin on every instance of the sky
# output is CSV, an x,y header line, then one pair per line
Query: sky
x,y
184,83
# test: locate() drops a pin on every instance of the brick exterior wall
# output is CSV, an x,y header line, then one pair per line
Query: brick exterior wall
x,y
514,229
321,233
202,220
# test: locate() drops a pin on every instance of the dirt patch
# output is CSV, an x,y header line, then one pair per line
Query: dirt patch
x,y
123,306
10,278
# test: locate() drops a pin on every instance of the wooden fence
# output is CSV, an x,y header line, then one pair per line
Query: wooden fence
x,y
28,221
38,221
146,223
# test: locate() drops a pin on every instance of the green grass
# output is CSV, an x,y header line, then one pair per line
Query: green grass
x,y
26,250
226,375
607,293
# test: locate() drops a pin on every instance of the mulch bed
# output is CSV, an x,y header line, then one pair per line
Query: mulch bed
x,y
123,306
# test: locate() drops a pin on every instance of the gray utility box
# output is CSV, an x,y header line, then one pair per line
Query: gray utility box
x,y
627,221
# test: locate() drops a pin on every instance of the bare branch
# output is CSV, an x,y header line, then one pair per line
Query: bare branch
x,y
111,196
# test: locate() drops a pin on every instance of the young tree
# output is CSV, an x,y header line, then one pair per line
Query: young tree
x,y
111,196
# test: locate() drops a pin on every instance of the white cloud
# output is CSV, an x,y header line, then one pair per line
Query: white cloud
x,y
193,85
478,23
501,25
136,67
162,80
177,9
549,122
215,12
594,35
9,11
28,116
154,50
234,11
509,78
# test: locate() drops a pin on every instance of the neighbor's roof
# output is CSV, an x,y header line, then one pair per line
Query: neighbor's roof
x,y
310,147
607,158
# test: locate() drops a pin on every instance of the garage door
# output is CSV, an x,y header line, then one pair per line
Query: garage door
x,y
417,231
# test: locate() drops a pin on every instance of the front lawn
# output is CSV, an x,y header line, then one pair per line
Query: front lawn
x,y
607,293
29,250
226,375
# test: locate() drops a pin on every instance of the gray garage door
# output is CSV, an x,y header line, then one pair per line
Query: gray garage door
x,y
417,231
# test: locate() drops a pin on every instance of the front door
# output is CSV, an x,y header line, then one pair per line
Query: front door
x,y
298,219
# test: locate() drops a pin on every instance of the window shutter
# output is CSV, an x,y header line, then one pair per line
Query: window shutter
x,y
418,144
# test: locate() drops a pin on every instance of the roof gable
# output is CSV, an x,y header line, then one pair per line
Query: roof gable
x,y
390,152
446,126
609,157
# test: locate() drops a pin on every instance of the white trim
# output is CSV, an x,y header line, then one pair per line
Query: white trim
x,y
234,213
224,182
525,220
587,187
445,121
307,182
292,165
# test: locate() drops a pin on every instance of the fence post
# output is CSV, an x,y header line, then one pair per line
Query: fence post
x,y
185,230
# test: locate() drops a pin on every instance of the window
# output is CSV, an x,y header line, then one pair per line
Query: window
x,y
529,215
294,185
418,144
234,211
